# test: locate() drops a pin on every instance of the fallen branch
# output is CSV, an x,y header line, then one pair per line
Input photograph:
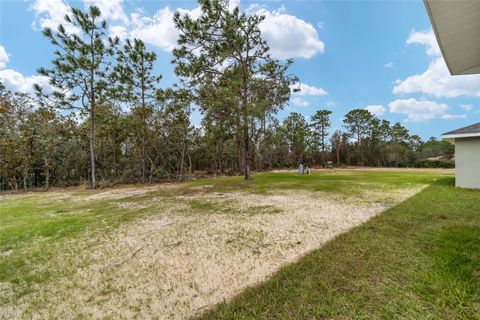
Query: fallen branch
x,y
118,264
175,244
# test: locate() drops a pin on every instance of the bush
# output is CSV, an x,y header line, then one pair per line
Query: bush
x,y
445,164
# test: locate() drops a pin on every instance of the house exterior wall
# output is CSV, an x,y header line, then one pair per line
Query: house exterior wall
x,y
467,162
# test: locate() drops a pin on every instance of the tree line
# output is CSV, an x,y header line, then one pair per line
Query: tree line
x,y
104,118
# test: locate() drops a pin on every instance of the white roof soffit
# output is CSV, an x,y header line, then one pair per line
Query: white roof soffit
x,y
457,27
460,135
452,137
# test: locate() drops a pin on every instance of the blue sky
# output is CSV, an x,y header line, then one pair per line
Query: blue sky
x,y
348,54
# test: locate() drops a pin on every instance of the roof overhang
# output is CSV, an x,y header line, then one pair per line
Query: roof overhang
x,y
452,137
471,131
457,28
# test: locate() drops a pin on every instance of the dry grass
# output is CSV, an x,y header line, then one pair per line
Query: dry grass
x,y
193,252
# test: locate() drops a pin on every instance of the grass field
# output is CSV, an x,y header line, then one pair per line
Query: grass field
x,y
418,260
176,251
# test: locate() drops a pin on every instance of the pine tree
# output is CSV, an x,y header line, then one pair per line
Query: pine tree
x,y
321,124
80,69
224,42
358,122
138,87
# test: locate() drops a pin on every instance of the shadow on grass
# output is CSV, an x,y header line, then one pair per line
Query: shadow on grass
x,y
446,181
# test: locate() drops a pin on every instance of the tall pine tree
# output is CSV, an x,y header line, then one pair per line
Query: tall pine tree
x,y
223,41
80,69
321,124
138,87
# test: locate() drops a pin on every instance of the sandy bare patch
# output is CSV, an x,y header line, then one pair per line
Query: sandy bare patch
x,y
116,194
182,261
120,192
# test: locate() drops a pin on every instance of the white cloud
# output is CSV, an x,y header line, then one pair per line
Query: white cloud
x,y
418,110
308,90
288,36
51,13
389,65
438,82
300,102
111,9
448,116
158,30
3,57
426,38
119,31
466,107
376,109
331,103
15,81
233,4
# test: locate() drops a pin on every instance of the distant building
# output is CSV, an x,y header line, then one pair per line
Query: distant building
x,y
438,158
467,155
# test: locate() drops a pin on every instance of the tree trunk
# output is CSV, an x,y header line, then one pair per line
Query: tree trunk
x,y
14,183
323,157
396,156
323,146
115,173
246,136
360,160
92,148
143,131
47,176
244,111
189,166
246,155
238,139
47,179
180,177
338,155
92,113
152,170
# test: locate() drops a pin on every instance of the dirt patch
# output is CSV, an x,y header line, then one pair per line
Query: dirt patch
x,y
195,252
132,205
116,194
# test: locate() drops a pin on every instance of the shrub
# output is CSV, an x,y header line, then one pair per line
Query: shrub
x,y
446,164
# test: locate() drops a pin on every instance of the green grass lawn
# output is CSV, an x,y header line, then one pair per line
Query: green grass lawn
x,y
33,228
418,260
349,182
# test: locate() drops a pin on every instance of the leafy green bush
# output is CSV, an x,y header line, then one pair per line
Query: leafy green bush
x,y
446,164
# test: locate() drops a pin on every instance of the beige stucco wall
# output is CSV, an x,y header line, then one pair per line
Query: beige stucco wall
x,y
467,162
